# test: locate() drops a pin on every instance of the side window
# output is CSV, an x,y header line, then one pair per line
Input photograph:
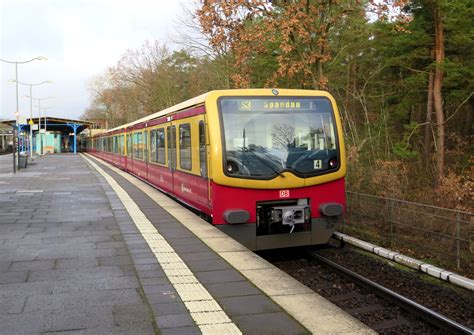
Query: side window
x,y
160,146
134,144
129,145
138,145
185,146
202,150
153,151
115,143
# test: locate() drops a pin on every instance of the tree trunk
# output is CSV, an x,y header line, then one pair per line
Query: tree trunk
x,y
437,86
429,126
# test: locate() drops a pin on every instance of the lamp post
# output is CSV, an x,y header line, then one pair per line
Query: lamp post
x,y
39,117
31,108
17,112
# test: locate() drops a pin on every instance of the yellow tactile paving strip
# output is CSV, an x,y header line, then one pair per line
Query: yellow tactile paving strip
x,y
205,311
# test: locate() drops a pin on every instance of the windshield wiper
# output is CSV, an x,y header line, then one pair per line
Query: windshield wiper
x,y
245,149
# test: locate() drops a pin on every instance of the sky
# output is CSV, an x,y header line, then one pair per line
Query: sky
x,y
80,39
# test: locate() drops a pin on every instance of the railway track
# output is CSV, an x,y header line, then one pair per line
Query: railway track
x,y
381,309
444,324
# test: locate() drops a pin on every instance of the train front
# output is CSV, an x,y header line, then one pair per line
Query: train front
x,y
277,166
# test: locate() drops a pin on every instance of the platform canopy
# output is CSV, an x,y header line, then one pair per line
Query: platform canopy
x,y
53,124
50,124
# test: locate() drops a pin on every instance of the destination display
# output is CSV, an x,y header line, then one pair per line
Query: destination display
x,y
275,104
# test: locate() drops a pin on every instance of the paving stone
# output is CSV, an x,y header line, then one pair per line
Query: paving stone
x,y
76,263
25,323
25,289
199,256
252,304
56,302
221,276
208,265
142,329
112,244
174,321
233,289
131,314
180,331
86,273
157,288
193,248
4,265
115,260
125,282
148,267
13,277
151,274
113,297
171,308
32,265
12,305
154,281
82,318
184,240
269,323
79,285
164,297
128,270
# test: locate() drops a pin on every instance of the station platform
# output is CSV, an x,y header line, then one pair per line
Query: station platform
x,y
88,249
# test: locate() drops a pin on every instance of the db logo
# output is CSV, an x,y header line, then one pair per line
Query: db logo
x,y
284,193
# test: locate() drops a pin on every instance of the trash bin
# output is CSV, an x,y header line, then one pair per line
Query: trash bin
x,y
23,161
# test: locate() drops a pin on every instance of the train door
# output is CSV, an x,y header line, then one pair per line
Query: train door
x,y
130,151
171,140
145,152
203,160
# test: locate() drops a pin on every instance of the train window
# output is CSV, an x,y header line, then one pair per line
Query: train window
x,y
153,150
115,144
185,146
202,150
129,145
171,143
138,145
160,146
264,137
157,146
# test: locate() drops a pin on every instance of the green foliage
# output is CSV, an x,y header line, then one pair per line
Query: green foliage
x,y
404,148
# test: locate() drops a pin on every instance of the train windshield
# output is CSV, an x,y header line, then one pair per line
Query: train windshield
x,y
266,136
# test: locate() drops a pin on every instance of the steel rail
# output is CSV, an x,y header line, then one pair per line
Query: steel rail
x,y
427,314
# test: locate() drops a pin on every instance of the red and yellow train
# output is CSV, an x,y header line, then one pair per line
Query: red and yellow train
x,y
266,166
